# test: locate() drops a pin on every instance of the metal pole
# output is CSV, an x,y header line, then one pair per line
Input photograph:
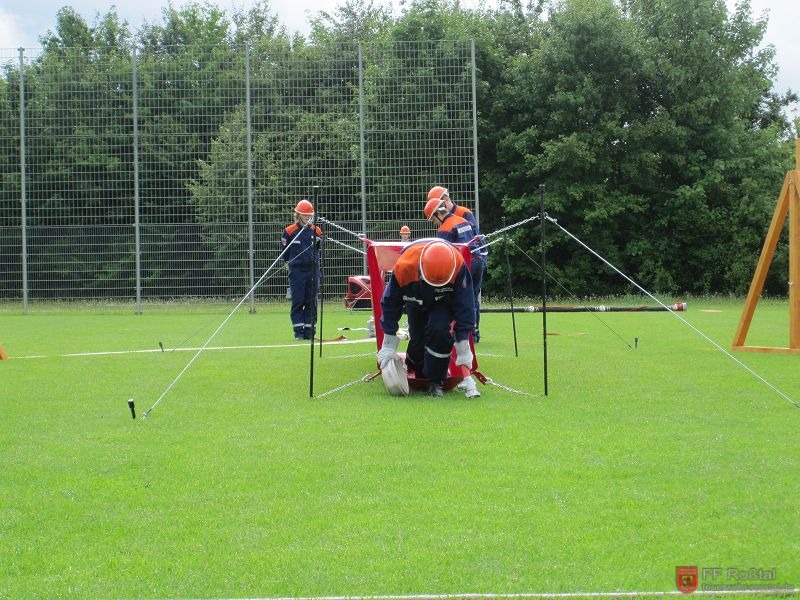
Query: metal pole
x,y
475,135
314,263
510,290
250,228
137,233
23,188
321,295
544,285
319,257
362,149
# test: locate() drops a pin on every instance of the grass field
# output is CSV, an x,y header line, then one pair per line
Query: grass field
x,y
241,485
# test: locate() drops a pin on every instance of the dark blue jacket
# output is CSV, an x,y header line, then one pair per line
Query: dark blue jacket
x,y
465,213
455,230
300,254
405,285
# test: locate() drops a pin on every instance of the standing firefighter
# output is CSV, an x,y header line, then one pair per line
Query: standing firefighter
x,y
432,283
405,233
479,253
450,227
299,238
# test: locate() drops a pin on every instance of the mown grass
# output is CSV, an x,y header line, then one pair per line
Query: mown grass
x,y
241,485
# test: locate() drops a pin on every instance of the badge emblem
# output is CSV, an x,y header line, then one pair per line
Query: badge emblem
x,y
686,578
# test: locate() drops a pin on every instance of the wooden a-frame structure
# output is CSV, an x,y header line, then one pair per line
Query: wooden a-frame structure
x,y
788,203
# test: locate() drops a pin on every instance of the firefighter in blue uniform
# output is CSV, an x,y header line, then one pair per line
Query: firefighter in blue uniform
x,y
298,240
432,284
450,227
479,252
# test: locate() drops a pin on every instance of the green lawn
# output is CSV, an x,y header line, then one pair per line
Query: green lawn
x,y
241,485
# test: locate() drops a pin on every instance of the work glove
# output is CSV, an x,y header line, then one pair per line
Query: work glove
x,y
463,354
388,349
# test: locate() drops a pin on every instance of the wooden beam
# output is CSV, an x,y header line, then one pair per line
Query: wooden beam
x,y
764,262
767,349
794,261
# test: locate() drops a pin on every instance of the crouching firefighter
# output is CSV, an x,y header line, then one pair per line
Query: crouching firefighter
x,y
432,283
298,241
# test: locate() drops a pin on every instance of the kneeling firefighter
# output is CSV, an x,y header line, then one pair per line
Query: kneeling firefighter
x,y
432,284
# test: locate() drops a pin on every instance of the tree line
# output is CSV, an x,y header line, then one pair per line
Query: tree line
x,y
653,126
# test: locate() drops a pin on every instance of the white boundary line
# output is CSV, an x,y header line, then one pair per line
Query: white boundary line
x,y
525,596
165,351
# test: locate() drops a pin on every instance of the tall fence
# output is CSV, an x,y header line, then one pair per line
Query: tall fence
x,y
169,172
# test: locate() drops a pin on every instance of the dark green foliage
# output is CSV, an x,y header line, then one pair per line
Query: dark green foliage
x,y
78,156
652,124
10,209
655,135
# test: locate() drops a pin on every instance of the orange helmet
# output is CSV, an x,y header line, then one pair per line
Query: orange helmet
x,y
305,208
438,192
432,206
405,229
437,263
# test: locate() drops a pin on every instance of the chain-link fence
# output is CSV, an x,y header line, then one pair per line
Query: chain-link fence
x,y
169,172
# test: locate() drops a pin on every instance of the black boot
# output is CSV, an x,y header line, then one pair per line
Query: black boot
x,y
435,389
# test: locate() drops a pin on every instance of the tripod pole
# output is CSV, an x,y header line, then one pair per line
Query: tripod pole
x,y
314,282
544,286
321,255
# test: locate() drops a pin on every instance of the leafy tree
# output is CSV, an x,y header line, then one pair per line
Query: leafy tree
x,y
189,80
10,190
256,25
78,171
652,123
416,82
624,119
304,130
718,129
352,21
9,148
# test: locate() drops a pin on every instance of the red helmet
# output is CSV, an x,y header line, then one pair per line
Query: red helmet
x,y
438,192
305,208
438,263
405,229
432,206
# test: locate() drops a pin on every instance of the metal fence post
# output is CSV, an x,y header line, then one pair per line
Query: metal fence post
x,y
362,148
23,190
136,195
250,228
475,133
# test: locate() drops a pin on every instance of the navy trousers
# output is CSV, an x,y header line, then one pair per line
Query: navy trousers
x,y
301,285
430,341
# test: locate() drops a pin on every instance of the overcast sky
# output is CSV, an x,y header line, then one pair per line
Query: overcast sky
x,y
23,21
